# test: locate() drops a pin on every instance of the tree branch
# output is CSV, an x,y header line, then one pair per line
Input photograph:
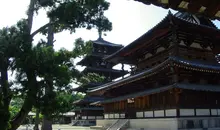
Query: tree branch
x,y
42,28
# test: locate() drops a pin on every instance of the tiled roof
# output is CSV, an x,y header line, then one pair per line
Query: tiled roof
x,y
196,87
183,62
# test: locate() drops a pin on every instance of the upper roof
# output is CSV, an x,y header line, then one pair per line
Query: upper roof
x,y
101,41
209,8
161,29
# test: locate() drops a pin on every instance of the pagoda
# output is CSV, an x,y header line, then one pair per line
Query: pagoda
x,y
86,114
175,81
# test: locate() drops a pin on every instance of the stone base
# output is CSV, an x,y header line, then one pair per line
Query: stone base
x,y
189,123
84,123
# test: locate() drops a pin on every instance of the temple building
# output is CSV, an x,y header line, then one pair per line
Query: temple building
x,y
86,114
175,79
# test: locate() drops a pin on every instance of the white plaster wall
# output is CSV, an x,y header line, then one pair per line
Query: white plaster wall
x,y
139,114
171,112
187,112
117,116
106,116
159,113
214,112
154,124
218,111
122,115
111,116
148,114
202,112
84,117
91,117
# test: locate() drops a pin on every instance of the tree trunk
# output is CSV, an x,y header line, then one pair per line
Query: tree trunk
x,y
47,123
28,102
31,14
37,120
5,96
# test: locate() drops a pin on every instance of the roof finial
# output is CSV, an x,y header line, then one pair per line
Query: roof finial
x,y
100,33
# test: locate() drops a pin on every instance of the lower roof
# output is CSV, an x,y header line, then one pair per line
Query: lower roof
x,y
88,99
181,62
195,87
89,108
84,88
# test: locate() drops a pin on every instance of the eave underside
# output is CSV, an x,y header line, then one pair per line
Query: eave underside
x,y
209,8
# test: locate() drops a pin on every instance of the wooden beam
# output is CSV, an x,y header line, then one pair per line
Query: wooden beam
x,y
174,4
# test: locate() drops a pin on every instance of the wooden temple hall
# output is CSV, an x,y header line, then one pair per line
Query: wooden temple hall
x,y
175,75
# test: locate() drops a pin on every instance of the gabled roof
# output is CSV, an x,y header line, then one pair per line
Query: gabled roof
x,y
195,87
163,28
178,61
137,42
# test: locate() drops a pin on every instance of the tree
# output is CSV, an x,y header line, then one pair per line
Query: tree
x,y
31,62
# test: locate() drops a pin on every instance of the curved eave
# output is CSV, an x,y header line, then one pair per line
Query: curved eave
x,y
89,108
208,8
101,41
194,87
177,61
102,70
85,60
84,88
87,100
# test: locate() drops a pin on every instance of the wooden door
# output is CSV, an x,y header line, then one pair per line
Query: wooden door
x,y
130,111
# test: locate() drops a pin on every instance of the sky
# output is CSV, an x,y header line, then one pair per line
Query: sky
x,y
130,19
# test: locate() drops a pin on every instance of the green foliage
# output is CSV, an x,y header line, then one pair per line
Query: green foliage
x,y
54,68
61,103
15,106
72,14
91,77
82,48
